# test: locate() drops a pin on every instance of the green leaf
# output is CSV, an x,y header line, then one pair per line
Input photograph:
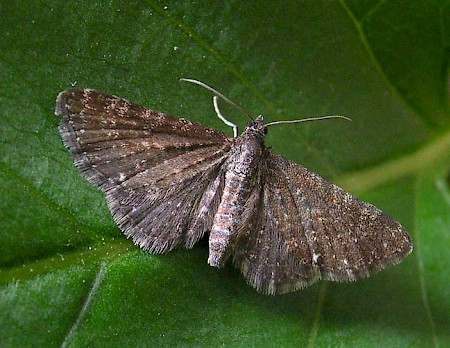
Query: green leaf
x,y
68,277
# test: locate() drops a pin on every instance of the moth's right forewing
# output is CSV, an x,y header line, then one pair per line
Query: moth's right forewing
x,y
155,169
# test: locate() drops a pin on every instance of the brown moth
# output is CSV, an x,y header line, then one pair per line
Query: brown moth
x,y
168,181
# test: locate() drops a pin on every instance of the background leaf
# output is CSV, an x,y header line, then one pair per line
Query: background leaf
x,y
68,277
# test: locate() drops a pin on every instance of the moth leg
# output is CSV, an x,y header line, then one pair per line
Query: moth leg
x,y
219,114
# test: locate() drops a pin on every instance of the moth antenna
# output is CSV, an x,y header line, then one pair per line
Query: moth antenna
x,y
308,119
219,114
220,95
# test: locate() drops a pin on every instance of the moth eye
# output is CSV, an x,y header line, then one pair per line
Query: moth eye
x,y
265,130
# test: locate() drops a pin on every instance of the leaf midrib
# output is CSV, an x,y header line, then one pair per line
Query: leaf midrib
x,y
393,170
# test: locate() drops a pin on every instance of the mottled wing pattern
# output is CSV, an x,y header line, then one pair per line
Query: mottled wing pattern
x,y
161,175
306,229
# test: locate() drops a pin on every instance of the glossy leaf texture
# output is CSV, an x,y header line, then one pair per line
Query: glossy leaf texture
x,y
68,277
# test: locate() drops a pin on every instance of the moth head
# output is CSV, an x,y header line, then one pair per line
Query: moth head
x,y
256,126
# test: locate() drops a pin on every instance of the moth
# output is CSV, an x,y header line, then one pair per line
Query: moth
x,y
169,181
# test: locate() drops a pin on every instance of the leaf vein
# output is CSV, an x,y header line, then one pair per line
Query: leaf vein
x,y
317,314
216,54
28,186
89,298
421,267
394,90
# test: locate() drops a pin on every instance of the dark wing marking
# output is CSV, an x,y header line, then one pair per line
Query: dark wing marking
x,y
306,229
161,175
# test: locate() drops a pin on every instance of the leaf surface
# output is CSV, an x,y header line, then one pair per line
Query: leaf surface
x,y
68,277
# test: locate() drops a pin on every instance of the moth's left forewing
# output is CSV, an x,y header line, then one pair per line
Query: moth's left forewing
x,y
348,238
273,254
310,229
